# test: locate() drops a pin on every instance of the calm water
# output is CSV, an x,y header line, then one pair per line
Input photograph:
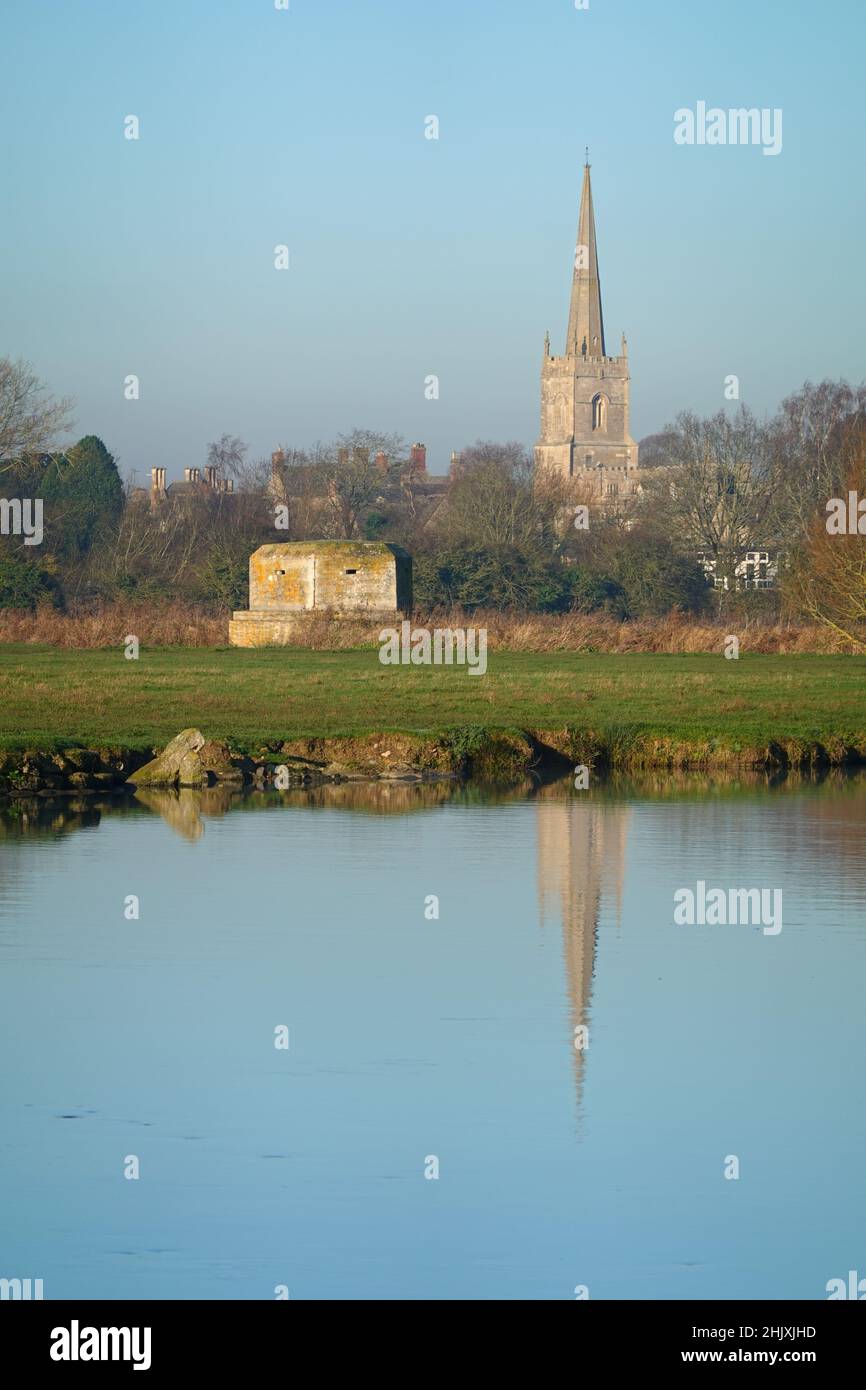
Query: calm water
x,y
453,1038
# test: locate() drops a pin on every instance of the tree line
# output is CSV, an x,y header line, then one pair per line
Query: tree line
x,y
494,535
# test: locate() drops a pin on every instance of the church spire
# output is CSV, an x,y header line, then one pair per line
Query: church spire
x,y
585,323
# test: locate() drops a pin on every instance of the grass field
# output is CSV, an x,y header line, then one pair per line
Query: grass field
x,y
51,697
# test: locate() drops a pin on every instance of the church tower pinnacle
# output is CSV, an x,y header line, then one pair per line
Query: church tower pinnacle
x,y
584,393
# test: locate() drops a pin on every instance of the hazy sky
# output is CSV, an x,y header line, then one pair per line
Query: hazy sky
x,y
410,256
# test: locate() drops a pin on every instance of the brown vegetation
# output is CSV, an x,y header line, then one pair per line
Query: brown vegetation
x,y
108,625
189,625
828,580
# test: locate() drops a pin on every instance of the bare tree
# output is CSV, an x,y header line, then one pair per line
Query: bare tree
x,y
374,442
227,454
817,437
197,546
826,578
654,450
30,418
494,500
353,482
510,458
720,494
352,478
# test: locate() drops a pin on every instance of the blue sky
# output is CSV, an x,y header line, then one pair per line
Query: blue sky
x,y
409,256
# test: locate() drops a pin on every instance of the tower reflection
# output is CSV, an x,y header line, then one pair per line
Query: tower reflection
x,y
581,867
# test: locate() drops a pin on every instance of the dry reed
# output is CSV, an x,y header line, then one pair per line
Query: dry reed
x,y
187,625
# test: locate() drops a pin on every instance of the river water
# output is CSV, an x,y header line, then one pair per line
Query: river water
x,y
548,1087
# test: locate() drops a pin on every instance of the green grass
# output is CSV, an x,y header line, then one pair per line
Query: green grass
x,y
52,696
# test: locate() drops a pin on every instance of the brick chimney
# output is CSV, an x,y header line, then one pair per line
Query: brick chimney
x,y
157,480
418,458
210,475
192,475
381,461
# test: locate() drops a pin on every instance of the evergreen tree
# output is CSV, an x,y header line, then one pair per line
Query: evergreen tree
x,y
81,491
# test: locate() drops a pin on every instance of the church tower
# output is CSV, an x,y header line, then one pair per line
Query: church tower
x,y
584,393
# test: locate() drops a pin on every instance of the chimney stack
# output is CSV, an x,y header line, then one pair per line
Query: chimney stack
x,y
381,461
210,475
278,474
418,458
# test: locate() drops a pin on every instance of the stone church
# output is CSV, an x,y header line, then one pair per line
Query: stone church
x,y
584,393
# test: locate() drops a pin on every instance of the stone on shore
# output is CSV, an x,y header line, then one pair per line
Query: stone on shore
x,y
191,760
164,770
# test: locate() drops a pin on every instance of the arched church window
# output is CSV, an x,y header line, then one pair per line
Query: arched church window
x,y
599,412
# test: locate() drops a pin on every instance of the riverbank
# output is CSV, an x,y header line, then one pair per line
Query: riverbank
x,y
84,720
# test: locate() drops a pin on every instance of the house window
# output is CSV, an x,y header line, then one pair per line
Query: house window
x,y
755,570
